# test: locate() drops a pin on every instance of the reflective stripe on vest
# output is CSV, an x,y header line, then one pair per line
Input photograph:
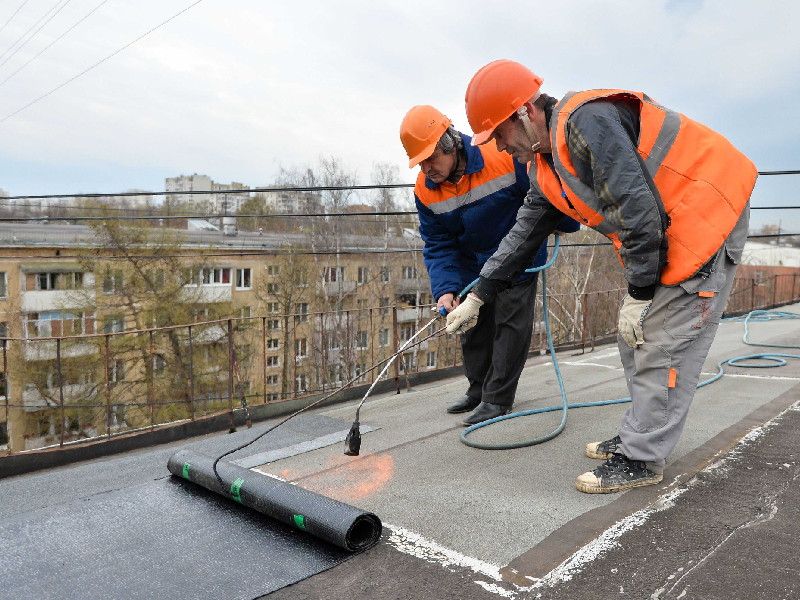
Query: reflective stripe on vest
x,y
704,182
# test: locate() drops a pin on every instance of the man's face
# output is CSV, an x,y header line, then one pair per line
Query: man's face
x,y
438,166
511,138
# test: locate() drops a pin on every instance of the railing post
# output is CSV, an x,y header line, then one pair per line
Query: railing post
x,y
60,390
191,373
752,294
230,374
794,286
294,359
264,354
372,344
152,383
774,290
583,326
108,393
347,338
323,353
396,347
5,383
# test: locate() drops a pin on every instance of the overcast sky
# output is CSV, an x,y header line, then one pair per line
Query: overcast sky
x,y
234,89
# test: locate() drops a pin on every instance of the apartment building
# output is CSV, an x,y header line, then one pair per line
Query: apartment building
x,y
283,325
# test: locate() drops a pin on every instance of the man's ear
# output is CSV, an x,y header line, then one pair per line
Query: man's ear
x,y
530,108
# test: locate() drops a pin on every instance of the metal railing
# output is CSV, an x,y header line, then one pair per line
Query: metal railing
x,y
63,390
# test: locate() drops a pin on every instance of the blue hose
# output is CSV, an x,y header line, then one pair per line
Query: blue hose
x,y
755,316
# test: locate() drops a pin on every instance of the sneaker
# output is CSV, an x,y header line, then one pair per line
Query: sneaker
x,y
617,474
603,450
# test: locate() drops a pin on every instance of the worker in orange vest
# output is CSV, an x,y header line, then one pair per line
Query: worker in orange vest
x,y
673,197
467,198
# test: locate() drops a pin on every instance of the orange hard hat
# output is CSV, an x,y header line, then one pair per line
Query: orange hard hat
x,y
495,93
420,130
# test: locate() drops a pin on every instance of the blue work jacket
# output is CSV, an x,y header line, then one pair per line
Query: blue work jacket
x,y
462,224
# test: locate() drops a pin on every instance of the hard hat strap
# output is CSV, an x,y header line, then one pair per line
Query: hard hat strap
x,y
526,125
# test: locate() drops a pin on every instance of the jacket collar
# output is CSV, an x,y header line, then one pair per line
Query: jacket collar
x,y
474,160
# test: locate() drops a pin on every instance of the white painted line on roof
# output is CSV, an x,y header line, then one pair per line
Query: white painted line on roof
x,y
744,376
588,364
607,354
414,544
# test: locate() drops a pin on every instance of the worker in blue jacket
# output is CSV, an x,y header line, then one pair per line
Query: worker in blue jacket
x,y
468,197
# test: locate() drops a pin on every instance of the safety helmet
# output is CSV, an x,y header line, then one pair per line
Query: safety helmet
x,y
495,93
420,130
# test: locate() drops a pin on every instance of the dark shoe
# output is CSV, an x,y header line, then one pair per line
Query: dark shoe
x,y
484,412
465,404
603,450
617,474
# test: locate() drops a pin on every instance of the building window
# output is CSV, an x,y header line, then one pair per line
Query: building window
x,y
272,361
273,307
159,365
406,332
383,337
273,270
112,282
359,371
273,324
113,324
409,272
273,379
363,275
302,382
244,280
273,288
333,341
431,359
217,276
245,312
3,285
244,354
301,348
300,278
334,274
273,344
386,274
408,363
385,306
273,397
301,312
57,324
116,371
362,340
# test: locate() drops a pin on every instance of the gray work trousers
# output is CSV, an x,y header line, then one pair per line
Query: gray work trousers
x,y
495,350
662,374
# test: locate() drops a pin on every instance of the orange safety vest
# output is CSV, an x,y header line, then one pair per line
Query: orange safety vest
x,y
703,180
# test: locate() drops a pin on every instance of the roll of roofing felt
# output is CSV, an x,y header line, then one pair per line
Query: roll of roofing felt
x,y
341,524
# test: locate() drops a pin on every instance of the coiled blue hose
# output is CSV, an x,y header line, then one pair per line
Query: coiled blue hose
x,y
755,316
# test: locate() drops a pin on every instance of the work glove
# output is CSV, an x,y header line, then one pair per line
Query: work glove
x,y
631,316
465,316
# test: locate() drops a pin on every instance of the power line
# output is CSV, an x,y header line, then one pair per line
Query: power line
x,y
12,16
34,33
269,190
53,42
217,216
32,27
99,63
322,188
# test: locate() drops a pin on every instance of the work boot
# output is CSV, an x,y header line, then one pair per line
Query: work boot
x,y
484,412
603,450
465,404
617,474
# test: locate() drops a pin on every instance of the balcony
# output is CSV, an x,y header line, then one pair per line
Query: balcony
x,y
52,300
206,294
334,288
402,286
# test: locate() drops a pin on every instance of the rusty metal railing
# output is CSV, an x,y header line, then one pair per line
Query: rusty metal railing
x,y
63,390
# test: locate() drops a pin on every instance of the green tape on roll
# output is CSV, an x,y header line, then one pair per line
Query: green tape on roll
x,y
300,521
237,485
186,466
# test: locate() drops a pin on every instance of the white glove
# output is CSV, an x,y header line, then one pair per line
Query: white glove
x,y
465,316
631,316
